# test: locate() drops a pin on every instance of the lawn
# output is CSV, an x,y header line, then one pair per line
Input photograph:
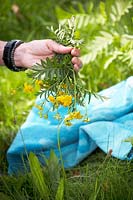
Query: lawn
x,y
107,30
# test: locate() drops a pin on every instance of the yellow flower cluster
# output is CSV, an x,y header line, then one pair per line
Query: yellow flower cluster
x,y
28,88
71,116
64,100
74,115
52,99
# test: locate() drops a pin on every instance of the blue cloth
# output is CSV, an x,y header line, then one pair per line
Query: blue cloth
x,y
111,123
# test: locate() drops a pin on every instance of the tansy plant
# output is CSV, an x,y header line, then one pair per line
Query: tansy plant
x,y
60,84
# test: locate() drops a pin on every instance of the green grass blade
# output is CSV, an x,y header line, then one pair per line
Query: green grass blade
x,y
37,176
60,190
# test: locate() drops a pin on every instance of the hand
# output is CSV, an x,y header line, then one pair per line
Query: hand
x,y
28,54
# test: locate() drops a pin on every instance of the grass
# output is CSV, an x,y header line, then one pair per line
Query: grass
x,y
98,177
11,94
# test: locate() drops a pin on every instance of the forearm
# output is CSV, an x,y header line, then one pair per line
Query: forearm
x,y
2,44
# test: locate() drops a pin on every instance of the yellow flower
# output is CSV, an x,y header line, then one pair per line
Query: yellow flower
x,y
74,115
86,120
77,115
28,88
64,100
51,99
38,107
68,123
39,82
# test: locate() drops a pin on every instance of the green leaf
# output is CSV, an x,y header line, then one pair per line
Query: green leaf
x,y
53,166
37,176
62,14
119,8
60,190
97,46
111,58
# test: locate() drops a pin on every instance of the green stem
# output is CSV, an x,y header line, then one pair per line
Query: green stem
x,y
75,85
59,147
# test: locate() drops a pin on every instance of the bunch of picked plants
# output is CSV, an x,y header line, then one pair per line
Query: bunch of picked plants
x,y
60,83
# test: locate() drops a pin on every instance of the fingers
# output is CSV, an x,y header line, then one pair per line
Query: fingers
x,y
75,52
75,60
77,63
58,48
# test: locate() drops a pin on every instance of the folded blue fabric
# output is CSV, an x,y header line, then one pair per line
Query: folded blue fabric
x,y
110,128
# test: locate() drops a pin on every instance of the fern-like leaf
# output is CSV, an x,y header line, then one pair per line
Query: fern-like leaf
x,y
97,46
119,8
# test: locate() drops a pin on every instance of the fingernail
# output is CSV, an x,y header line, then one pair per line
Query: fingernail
x,y
80,65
